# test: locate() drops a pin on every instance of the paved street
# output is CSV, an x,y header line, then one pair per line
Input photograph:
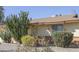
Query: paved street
x,y
58,49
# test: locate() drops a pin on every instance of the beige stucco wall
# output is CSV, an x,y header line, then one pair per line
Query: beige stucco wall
x,y
41,30
46,30
72,27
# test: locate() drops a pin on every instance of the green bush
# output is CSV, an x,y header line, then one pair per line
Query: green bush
x,y
62,39
28,40
6,36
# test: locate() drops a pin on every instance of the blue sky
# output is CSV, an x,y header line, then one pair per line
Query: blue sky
x,y
41,11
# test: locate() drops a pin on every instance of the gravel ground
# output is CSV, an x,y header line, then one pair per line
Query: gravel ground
x,y
6,47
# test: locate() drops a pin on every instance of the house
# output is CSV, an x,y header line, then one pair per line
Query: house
x,y
43,27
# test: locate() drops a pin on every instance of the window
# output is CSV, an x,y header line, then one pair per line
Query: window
x,y
57,27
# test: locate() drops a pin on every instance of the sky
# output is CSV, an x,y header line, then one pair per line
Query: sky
x,y
41,11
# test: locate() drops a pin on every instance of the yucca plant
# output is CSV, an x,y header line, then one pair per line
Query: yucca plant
x,y
18,25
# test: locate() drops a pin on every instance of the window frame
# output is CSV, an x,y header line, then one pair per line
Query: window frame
x,y
55,27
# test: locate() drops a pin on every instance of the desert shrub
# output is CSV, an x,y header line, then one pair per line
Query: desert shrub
x,y
44,41
62,39
6,36
28,40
